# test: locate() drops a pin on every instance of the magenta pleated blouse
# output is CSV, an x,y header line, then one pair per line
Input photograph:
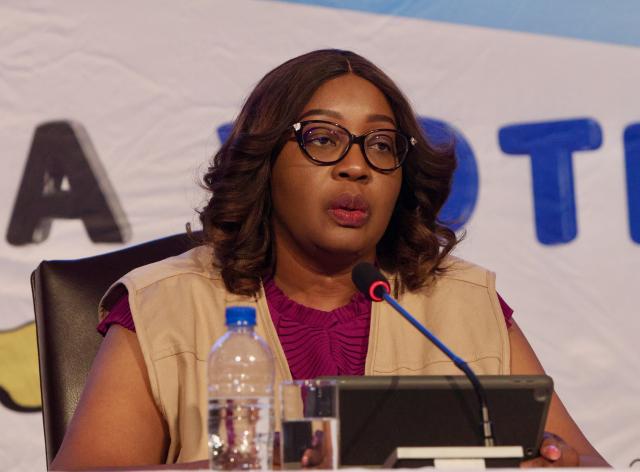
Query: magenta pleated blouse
x,y
315,342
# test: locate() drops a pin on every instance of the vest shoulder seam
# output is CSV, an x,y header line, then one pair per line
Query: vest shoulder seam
x,y
146,284
464,271
459,270
196,261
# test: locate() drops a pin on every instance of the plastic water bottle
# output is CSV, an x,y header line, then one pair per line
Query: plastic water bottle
x,y
240,376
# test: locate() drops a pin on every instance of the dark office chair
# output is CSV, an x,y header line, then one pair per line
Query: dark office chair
x,y
65,300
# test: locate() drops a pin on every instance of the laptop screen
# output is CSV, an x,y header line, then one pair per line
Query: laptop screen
x,y
379,414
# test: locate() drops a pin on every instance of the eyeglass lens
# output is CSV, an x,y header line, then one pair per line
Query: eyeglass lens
x,y
327,143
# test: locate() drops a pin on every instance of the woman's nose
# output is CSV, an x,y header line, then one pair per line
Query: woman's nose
x,y
353,166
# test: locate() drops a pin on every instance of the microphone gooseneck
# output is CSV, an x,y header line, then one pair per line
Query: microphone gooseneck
x,y
368,279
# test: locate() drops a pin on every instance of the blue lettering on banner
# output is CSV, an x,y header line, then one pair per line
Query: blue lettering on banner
x,y
550,145
632,165
224,131
459,207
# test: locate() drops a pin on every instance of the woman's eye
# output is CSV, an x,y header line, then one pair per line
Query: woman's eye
x,y
320,140
381,146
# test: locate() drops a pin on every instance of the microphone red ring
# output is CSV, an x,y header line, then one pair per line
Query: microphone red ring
x,y
374,286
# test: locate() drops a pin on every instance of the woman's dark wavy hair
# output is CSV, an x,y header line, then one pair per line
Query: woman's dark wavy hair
x,y
237,218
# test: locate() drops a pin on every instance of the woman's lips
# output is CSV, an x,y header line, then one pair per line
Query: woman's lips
x,y
349,218
350,210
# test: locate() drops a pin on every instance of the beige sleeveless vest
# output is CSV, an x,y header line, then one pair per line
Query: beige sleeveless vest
x,y
178,309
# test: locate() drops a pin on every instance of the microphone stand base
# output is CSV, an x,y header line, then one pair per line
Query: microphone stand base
x,y
456,457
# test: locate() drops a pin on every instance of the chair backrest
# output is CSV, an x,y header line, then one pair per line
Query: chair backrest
x,y
65,299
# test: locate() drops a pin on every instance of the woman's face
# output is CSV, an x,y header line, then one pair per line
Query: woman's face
x,y
341,209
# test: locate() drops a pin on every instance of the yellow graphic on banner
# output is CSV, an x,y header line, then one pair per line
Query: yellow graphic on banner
x,y
19,376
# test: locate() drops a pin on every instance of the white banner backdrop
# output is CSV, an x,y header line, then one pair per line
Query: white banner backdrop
x,y
151,81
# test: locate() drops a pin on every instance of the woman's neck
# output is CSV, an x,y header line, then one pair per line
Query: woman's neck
x,y
323,283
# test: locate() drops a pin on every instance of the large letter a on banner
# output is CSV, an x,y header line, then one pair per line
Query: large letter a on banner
x,y
63,178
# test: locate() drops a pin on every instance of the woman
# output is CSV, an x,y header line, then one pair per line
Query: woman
x,y
326,166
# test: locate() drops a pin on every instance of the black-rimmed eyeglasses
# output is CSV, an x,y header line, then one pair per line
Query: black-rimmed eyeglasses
x,y
327,143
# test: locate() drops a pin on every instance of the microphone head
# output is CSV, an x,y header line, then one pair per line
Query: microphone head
x,y
368,279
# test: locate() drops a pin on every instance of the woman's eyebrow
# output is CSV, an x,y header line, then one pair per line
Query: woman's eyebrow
x,y
378,117
321,111
334,114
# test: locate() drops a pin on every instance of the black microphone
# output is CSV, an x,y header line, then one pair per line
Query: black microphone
x,y
368,279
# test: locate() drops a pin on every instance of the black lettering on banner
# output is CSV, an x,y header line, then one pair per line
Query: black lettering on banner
x,y
63,178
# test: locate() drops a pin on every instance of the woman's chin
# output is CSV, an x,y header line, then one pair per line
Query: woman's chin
x,y
346,245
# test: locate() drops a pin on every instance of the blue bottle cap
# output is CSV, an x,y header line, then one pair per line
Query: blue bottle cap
x,y
240,316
